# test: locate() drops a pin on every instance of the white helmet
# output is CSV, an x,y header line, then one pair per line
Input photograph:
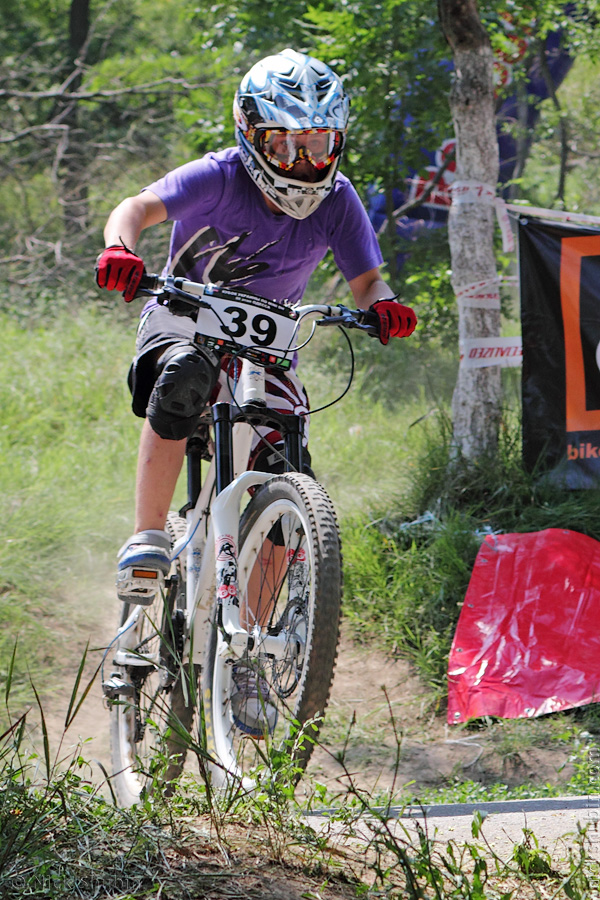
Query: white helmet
x,y
290,107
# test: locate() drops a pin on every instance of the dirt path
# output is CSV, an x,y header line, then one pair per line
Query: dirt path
x,y
381,724
379,721
93,626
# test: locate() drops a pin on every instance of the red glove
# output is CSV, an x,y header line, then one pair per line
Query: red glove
x,y
118,269
395,320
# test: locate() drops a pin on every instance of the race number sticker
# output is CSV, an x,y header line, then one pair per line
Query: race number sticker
x,y
234,319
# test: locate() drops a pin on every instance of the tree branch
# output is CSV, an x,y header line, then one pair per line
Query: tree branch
x,y
148,88
34,129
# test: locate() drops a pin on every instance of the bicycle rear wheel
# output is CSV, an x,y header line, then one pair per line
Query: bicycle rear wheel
x,y
290,584
152,717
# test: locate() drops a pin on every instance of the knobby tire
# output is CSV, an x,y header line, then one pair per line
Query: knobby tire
x,y
291,512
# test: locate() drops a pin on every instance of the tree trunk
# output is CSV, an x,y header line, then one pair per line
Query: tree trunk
x,y
73,163
477,396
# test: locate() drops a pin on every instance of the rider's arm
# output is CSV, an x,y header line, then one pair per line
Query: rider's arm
x,y
118,268
369,287
370,291
127,221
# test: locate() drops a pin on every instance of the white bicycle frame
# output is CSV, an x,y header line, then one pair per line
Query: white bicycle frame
x,y
210,543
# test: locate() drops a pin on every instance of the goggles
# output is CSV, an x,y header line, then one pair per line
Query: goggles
x,y
283,148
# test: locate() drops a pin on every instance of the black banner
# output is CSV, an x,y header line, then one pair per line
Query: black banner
x,y
560,311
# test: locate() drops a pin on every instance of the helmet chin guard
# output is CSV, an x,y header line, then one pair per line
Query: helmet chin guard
x,y
297,93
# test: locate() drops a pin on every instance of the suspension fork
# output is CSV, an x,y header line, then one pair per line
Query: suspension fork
x,y
225,511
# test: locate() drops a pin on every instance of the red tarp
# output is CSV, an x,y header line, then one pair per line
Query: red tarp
x,y
528,636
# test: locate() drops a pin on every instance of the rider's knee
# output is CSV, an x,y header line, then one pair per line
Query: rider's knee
x,y
187,377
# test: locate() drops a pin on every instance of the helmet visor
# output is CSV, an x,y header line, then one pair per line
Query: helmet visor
x,y
284,148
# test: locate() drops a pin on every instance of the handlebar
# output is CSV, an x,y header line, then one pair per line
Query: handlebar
x,y
184,297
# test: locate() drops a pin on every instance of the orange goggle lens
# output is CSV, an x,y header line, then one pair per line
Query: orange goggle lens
x,y
284,148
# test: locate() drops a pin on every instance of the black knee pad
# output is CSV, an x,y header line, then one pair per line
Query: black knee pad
x,y
185,382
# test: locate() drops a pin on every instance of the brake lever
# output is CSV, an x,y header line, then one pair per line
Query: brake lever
x,y
351,319
348,318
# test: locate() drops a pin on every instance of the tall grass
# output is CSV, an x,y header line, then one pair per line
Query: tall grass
x,y
68,446
67,450
408,568
61,838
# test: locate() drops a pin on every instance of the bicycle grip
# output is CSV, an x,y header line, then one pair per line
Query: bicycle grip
x,y
368,321
148,282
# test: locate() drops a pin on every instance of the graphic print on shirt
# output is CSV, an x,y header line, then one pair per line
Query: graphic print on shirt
x,y
221,264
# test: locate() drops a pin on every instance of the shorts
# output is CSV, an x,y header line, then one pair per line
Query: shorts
x,y
158,328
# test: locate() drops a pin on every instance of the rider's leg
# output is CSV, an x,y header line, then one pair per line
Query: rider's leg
x,y
181,380
264,584
159,465
271,567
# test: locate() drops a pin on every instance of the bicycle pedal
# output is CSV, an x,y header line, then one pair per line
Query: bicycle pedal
x,y
115,687
136,584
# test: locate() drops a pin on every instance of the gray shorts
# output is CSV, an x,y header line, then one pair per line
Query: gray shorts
x,y
159,328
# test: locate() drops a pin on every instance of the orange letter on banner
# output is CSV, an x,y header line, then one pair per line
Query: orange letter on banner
x,y
579,418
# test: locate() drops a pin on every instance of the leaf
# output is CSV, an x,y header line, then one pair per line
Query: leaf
x,y
476,824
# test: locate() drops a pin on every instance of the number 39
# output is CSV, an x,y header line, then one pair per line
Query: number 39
x,y
263,325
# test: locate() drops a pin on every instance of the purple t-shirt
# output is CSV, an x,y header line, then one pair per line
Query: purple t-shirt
x,y
224,233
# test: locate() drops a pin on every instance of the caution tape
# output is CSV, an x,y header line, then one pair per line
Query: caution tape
x,y
483,294
478,192
476,353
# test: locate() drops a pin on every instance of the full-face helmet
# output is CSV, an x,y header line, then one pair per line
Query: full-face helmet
x,y
291,107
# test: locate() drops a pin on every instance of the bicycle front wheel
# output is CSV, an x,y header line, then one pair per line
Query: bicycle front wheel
x,y
290,585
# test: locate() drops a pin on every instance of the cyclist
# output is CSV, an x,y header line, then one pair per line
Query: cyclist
x,y
260,215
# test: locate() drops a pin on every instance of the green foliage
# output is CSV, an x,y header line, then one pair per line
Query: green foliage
x,y
61,838
533,860
67,447
407,572
155,89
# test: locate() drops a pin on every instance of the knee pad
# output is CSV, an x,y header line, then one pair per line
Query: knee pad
x,y
187,377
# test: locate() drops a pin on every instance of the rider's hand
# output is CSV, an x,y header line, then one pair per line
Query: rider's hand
x,y
118,269
395,320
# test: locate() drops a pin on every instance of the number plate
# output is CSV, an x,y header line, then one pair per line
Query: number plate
x,y
238,319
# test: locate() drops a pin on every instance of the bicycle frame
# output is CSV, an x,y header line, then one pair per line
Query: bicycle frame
x,y
269,636
210,544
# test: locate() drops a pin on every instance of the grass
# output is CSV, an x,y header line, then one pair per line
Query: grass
x,y
408,566
67,444
61,838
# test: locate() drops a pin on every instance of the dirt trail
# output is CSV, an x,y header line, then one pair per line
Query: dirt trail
x,y
397,742
379,719
94,625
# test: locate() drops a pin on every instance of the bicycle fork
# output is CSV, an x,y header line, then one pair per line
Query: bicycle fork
x,y
225,509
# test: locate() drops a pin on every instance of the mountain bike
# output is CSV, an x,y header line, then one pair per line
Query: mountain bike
x,y
250,610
